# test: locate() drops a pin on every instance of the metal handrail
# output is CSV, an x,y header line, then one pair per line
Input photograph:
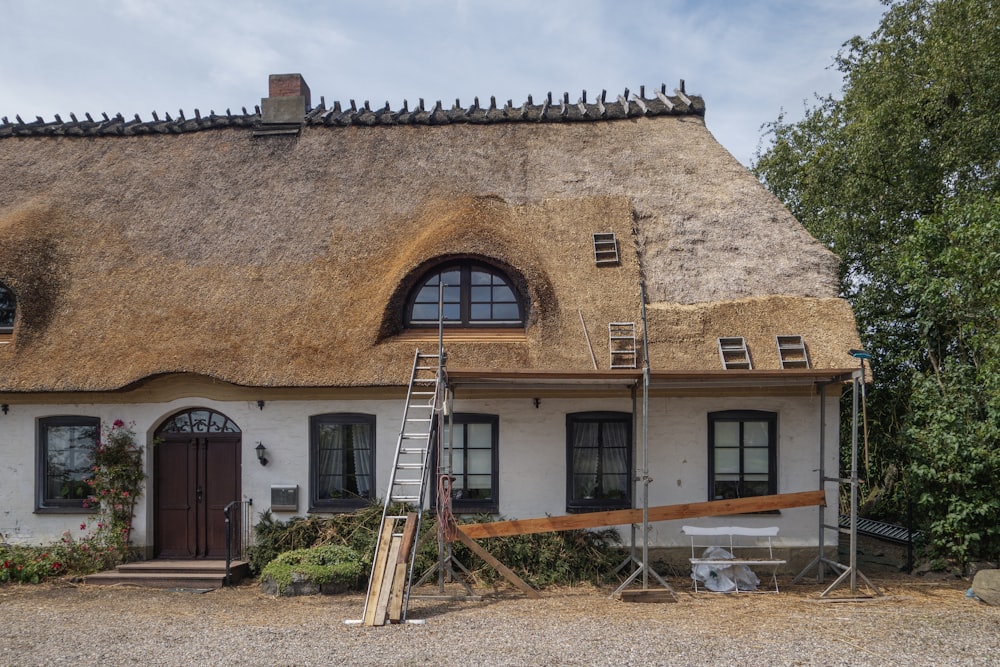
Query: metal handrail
x,y
239,532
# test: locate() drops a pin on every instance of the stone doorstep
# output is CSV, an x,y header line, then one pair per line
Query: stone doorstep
x,y
170,574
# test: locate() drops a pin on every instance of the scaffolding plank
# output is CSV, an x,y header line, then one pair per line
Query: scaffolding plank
x,y
659,513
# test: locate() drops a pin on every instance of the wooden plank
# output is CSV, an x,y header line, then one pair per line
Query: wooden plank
x,y
399,581
381,610
397,595
654,595
505,571
378,572
659,513
409,535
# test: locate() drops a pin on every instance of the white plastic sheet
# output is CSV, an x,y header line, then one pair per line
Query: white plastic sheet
x,y
723,578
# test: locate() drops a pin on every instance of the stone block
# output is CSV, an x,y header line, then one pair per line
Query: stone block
x,y
986,586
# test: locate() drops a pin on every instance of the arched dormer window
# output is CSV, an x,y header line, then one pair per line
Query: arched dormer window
x,y
8,308
475,295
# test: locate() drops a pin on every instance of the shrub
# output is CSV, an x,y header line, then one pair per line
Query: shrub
x,y
28,565
328,564
563,558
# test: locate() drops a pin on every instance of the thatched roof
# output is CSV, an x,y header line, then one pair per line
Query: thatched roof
x,y
285,260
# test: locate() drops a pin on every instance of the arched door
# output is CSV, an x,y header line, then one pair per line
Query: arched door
x,y
196,473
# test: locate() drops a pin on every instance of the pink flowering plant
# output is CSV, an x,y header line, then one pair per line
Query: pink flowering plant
x,y
105,539
116,484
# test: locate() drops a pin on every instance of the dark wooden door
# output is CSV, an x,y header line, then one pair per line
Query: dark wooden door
x,y
195,477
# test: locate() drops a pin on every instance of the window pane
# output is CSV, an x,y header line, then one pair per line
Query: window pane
x,y
615,486
481,277
584,486
755,460
755,488
755,434
727,460
505,311
480,461
481,435
727,434
480,312
452,312
457,460
726,488
585,460
68,461
425,312
503,293
480,482
452,277
480,294
428,294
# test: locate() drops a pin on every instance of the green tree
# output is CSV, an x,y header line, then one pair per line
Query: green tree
x,y
900,176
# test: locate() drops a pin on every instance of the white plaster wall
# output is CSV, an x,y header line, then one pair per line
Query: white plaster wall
x,y
532,455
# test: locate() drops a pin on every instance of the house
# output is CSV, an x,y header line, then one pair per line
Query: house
x,y
258,283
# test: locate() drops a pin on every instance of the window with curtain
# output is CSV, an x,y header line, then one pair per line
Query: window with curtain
x,y
599,461
474,440
474,295
742,454
341,461
65,454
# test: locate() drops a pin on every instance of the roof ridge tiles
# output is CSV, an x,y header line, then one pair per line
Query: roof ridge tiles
x,y
626,106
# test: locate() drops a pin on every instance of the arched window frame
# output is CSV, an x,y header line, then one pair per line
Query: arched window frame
x,y
8,309
462,301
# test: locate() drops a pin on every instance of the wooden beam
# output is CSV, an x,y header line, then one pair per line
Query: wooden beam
x,y
378,574
659,513
507,573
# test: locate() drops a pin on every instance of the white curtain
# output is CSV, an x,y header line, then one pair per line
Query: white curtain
x,y
362,458
331,460
616,447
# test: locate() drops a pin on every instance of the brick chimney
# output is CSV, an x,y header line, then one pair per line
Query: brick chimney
x,y
287,102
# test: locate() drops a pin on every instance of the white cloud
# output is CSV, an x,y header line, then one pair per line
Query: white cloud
x,y
750,59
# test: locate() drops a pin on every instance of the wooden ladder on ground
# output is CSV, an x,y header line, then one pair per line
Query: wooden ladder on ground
x,y
392,567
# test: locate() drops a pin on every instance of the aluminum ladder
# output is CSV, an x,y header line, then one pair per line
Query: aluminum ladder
x,y
392,567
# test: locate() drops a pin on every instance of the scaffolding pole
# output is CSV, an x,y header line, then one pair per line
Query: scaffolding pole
x,y
643,565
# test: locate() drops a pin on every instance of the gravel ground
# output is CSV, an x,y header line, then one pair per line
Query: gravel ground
x,y
918,622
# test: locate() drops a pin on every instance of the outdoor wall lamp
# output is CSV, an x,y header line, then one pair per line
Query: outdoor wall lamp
x,y
260,453
260,404
5,408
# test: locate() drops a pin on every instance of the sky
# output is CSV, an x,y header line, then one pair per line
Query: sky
x,y
751,60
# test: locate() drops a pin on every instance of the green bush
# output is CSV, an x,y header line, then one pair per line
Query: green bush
x,y
548,559
328,564
28,565
563,558
357,530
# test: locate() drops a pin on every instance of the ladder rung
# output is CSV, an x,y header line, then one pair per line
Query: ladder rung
x,y
407,482
404,499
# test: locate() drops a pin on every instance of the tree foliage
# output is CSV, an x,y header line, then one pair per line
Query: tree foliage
x,y
901,177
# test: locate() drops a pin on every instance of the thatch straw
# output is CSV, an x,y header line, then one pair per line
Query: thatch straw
x,y
285,261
